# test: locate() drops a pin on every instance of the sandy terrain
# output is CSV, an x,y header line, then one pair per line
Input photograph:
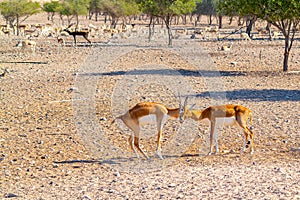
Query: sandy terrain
x,y
57,141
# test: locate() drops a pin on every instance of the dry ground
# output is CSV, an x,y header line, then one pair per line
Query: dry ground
x,y
43,156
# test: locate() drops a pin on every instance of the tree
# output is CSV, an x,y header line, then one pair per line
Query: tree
x,y
73,8
14,10
96,6
283,14
233,8
166,10
51,8
120,9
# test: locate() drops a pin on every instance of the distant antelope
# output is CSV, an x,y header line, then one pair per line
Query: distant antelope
x,y
27,43
245,36
61,41
226,47
80,33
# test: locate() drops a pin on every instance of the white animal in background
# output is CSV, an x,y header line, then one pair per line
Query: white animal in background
x,y
245,36
27,43
226,47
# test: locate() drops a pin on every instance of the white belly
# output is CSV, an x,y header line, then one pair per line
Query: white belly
x,y
151,119
224,121
148,119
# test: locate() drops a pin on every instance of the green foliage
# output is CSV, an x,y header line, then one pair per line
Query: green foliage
x,y
120,8
73,8
284,14
207,7
270,10
96,5
78,7
51,7
12,9
167,7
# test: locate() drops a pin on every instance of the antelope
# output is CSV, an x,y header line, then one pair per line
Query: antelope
x,y
245,36
147,112
61,41
226,47
228,114
27,43
74,33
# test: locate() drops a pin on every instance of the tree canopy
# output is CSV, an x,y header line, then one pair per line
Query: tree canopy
x,y
51,8
167,9
13,10
283,14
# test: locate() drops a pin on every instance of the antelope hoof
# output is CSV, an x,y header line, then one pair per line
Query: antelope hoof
x,y
248,143
158,153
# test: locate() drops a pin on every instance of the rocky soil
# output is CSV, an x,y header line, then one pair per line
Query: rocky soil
x,y
57,104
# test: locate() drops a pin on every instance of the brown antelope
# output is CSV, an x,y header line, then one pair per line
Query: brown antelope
x,y
221,115
60,41
27,43
245,36
147,112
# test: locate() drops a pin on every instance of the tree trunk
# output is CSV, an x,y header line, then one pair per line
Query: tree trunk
x,y
287,48
198,18
168,25
220,21
210,20
249,26
230,20
17,24
170,35
96,16
77,21
285,61
268,28
150,31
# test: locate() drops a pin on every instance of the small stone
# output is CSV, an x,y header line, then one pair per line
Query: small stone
x,y
10,195
117,174
172,185
110,191
233,63
72,89
86,197
103,119
55,165
68,172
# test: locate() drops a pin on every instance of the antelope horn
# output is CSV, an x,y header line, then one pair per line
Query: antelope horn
x,y
185,101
